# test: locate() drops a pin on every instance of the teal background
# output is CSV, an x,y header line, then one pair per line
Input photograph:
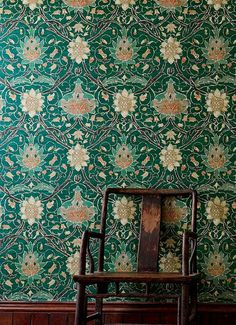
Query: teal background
x,y
125,51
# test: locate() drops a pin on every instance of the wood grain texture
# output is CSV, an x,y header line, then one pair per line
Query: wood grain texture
x,y
6,318
59,319
149,234
22,318
40,319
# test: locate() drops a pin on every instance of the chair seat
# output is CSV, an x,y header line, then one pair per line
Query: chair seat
x,y
145,277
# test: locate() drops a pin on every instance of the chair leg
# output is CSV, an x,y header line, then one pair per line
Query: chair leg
x,y
193,299
178,310
101,288
81,304
184,310
99,304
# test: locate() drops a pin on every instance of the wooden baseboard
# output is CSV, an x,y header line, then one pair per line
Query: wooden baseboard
x,y
62,313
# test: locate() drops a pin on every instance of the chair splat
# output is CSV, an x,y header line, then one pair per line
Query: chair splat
x,y
149,233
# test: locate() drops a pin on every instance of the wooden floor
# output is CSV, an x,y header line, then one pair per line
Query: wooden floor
x,y
12,313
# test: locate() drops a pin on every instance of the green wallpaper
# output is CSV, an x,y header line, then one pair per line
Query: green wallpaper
x,y
97,93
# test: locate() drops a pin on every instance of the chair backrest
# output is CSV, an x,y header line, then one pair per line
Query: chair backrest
x,y
163,216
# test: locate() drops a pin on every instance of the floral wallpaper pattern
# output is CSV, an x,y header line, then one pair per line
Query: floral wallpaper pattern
x,y
97,93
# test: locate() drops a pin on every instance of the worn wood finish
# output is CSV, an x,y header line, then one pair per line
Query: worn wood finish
x,y
149,233
147,258
138,277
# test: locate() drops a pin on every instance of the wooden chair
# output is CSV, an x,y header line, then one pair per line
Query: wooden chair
x,y
147,261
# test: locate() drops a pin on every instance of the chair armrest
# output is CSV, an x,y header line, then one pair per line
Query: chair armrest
x,y
189,258
86,249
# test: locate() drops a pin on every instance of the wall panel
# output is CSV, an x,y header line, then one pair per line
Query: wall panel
x,y
63,313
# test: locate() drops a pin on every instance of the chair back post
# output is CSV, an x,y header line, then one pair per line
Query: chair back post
x,y
83,249
185,254
193,267
189,261
194,210
103,230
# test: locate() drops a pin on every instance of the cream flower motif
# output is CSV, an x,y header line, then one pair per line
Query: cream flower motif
x,y
217,102
124,102
78,135
77,242
170,27
73,263
170,157
78,49
217,3
78,27
78,157
125,3
31,210
32,3
170,135
170,243
170,263
217,210
124,210
32,102
171,50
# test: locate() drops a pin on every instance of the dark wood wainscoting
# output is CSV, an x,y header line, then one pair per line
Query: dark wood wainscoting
x,y
55,313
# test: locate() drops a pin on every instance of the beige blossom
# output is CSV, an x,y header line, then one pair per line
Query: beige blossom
x,y
76,242
78,157
217,4
217,102
31,210
217,210
32,3
32,102
170,135
171,50
125,3
78,27
170,157
170,263
170,27
170,243
124,210
124,102
78,50
78,135
73,263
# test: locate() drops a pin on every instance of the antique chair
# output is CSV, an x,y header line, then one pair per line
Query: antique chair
x,y
120,205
